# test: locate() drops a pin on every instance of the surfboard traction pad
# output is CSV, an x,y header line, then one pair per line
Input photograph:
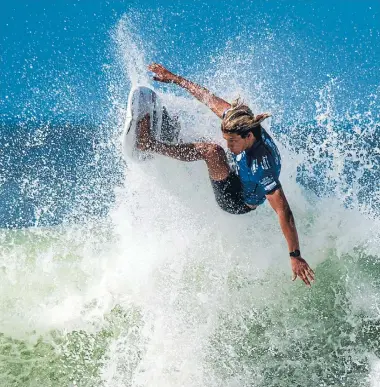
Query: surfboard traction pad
x,y
164,128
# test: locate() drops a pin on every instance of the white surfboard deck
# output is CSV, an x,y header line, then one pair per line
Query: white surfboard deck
x,y
141,101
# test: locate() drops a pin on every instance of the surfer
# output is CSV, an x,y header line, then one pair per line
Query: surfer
x,y
250,178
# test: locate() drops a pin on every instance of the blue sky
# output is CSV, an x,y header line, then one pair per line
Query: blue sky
x,y
50,47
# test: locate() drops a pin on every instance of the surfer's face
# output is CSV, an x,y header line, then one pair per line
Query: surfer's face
x,y
236,144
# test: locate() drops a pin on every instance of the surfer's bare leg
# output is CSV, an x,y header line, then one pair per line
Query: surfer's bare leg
x,y
212,154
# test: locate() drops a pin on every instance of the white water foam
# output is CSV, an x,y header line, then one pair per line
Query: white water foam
x,y
187,263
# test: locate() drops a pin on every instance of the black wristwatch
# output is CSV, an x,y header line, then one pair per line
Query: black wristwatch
x,y
295,253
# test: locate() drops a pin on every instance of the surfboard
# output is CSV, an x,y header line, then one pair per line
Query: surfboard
x,y
141,101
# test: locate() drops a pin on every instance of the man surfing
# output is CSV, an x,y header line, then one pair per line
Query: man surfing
x,y
254,175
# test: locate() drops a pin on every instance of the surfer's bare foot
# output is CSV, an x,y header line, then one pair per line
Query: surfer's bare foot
x,y
144,140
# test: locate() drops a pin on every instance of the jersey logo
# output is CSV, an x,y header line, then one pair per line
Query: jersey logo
x,y
254,166
270,186
267,180
265,162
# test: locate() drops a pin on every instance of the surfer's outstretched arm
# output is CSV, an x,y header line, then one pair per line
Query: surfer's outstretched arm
x,y
280,204
216,104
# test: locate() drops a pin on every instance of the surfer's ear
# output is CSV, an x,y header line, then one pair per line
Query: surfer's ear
x,y
249,134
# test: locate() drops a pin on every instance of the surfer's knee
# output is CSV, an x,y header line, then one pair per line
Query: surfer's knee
x,y
216,161
211,151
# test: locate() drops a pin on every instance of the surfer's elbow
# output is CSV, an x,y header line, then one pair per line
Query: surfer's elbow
x,y
284,212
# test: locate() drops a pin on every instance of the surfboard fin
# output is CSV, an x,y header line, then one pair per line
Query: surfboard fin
x,y
170,127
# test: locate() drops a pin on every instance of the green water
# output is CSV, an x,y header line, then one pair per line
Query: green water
x,y
266,332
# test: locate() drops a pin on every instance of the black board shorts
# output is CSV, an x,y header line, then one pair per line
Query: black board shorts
x,y
229,195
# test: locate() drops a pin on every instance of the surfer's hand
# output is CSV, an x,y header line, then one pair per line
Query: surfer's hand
x,y
302,270
162,74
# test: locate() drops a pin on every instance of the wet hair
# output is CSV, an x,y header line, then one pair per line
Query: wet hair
x,y
240,119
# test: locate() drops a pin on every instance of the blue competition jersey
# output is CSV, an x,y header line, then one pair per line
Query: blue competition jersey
x,y
258,169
